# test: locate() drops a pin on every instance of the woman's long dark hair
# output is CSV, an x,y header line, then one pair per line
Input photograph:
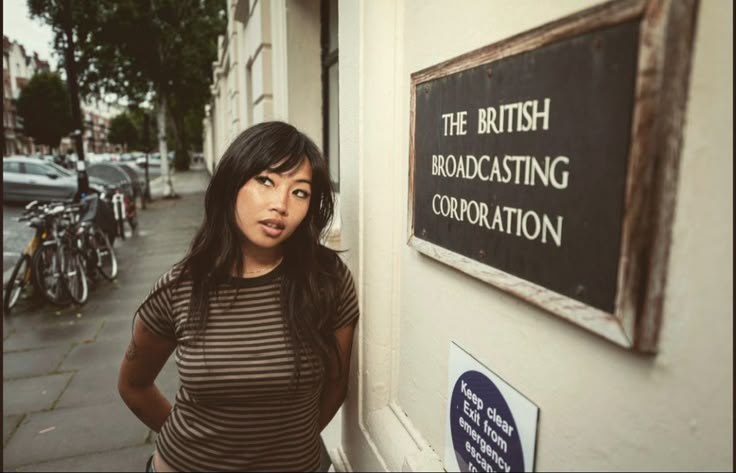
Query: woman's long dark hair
x,y
310,279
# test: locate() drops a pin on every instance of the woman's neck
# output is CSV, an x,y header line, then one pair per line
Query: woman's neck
x,y
259,261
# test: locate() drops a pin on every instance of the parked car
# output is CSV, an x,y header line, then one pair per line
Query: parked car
x,y
136,174
26,179
114,176
154,160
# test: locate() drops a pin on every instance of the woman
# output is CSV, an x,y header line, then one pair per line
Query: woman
x,y
259,313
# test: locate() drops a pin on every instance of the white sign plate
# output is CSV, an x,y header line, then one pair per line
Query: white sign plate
x,y
490,426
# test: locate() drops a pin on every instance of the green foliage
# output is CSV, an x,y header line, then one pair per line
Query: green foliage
x,y
193,124
138,117
142,118
72,23
164,46
137,49
123,131
44,106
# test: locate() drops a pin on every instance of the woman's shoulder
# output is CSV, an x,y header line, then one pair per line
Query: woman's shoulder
x,y
333,263
174,275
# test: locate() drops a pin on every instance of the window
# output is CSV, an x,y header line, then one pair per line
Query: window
x,y
60,170
330,88
107,173
37,169
11,166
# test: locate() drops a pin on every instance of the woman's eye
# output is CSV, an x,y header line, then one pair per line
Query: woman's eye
x,y
264,180
302,194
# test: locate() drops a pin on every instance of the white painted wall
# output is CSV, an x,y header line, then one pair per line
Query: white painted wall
x,y
304,66
601,407
279,40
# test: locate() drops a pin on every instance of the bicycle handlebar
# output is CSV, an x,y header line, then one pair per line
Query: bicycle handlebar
x,y
51,209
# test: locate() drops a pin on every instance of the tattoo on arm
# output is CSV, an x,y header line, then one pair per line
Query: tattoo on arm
x,y
131,351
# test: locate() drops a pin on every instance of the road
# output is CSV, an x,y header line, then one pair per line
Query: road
x,y
15,236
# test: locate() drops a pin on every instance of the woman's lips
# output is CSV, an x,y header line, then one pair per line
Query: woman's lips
x,y
272,228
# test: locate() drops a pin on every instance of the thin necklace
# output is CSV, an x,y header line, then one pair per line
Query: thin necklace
x,y
263,270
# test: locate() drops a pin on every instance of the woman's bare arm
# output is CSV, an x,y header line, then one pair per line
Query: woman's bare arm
x,y
146,355
336,387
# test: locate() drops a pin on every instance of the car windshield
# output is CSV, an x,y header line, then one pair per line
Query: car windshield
x,y
108,172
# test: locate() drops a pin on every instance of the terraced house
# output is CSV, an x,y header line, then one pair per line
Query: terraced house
x,y
18,68
535,199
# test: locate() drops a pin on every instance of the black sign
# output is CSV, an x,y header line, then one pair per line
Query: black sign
x,y
521,163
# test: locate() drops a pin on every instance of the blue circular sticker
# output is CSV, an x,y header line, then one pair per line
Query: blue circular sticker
x,y
484,434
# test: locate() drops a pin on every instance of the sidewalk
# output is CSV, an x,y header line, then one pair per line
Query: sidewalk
x,y
61,408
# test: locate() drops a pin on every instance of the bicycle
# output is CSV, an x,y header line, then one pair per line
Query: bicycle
x,y
71,257
46,269
67,248
37,257
20,277
93,242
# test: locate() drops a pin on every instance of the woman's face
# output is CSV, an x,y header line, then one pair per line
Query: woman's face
x,y
270,206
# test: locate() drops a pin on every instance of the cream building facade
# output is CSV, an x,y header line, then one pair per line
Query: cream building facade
x,y
601,407
18,68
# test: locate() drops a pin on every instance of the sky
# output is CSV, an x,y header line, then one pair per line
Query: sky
x,y
34,35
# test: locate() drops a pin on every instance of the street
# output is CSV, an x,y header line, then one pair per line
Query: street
x,y
15,236
61,409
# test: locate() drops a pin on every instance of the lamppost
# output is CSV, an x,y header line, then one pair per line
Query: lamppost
x,y
147,146
82,177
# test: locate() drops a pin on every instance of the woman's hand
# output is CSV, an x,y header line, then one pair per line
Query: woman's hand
x,y
336,383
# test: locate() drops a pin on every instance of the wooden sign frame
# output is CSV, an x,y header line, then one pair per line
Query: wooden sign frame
x,y
666,35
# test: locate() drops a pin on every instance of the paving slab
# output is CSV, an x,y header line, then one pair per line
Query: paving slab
x,y
22,319
158,265
85,424
65,332
124,459
9,425
64,433
23,364
132,293
25,319
92,356
119,310
33,394
116,329
91,387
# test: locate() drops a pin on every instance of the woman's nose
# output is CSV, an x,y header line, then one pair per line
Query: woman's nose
x,y
279,202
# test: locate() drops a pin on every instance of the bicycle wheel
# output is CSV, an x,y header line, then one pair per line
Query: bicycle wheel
x,y
72,274
121,229
107,262
133,222
46,272
18,281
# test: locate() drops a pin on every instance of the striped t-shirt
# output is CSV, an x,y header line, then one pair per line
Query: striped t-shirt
x,y
236,408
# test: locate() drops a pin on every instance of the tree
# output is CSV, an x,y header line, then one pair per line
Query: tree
x,y
163,47
70,23
123,131
44,106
